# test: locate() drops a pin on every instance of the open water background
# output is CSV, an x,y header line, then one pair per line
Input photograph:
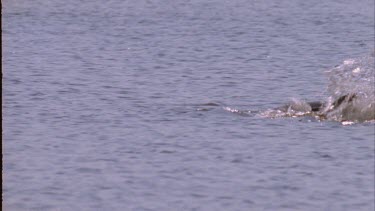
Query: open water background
x,y
108,105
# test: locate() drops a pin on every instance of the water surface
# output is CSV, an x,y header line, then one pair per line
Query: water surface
x,y
123,105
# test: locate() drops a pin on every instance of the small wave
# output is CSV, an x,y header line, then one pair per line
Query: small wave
x,y
353,76
350,107
352,90
240,112
296,108
351,95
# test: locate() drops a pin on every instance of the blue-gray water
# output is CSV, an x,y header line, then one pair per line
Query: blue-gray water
x,y
123,105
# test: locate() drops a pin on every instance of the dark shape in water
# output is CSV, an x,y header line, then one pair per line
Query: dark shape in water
x,y
317,105
340,100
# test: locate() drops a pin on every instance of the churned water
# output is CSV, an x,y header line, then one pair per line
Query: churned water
x,y
157,105
351,96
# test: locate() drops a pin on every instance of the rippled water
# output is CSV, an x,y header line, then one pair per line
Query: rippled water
x,y
132,105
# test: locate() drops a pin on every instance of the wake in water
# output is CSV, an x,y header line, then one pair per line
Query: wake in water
x,y
351,95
